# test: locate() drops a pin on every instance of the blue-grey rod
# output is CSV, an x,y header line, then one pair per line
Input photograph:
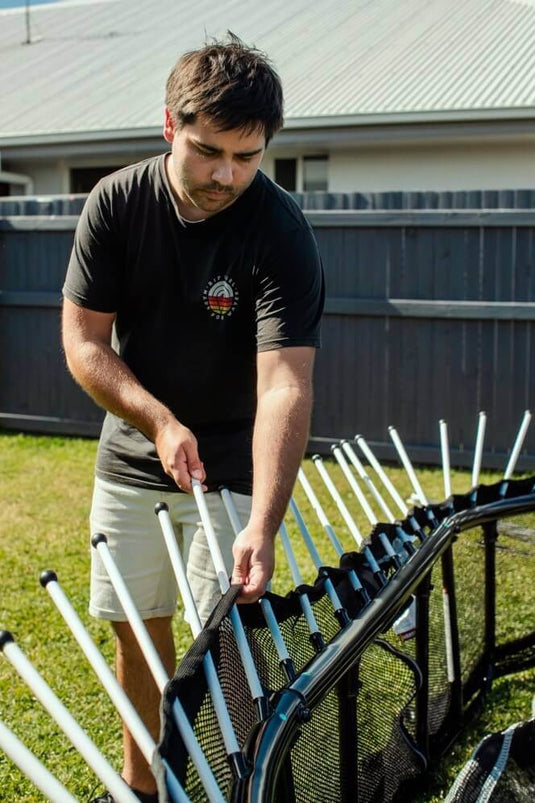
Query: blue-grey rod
x,y
192,615
38,774
316,638
157,669
324,521
119,698
367,452
77,736
348,518
339,610
257,692
370,515
365,477
286,662
405,539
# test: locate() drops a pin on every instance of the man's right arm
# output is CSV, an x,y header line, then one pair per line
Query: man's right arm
x,y
108,380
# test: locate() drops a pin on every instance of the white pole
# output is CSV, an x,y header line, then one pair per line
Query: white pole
x,y
157,669
478,451
192,615
367,452
318,563
346,515
81,741
517,445
135,725
324,521
407,465
38,774
342,462
119,698
304,601
265,604
365,477
445,451
351,525
253,680
320,513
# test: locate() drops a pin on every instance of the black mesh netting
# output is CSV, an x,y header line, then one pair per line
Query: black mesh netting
x,y
501,769
381,693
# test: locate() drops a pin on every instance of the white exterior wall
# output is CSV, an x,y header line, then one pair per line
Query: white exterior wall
x,y
363,168
474,166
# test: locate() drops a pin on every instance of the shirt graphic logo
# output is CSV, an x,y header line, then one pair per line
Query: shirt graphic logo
x,y
221,297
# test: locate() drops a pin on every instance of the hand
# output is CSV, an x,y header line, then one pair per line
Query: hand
x,y
254,562
178,452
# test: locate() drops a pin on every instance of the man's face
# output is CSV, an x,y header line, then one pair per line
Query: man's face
x,y
209,169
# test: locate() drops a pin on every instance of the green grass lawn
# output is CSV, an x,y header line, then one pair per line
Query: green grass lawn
x,y
46,493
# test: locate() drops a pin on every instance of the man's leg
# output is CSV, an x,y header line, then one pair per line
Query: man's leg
x,y
126,516
136,679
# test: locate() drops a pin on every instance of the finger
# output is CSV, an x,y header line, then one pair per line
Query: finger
x,y
194,462
254,586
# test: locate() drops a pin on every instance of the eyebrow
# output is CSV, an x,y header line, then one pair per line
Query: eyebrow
x,y
213,149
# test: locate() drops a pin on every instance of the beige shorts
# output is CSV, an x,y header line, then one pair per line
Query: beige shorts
x,y
125,514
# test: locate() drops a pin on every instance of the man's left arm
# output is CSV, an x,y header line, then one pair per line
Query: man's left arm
x,y
284,404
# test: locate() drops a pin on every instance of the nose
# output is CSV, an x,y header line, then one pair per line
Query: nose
x,y
222,173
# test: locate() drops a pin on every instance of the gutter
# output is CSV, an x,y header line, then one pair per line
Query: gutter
x,y
325,123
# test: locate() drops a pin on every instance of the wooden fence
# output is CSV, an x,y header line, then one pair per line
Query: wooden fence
x,y
429,314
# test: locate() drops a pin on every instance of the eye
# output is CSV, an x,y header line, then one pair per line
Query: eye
x,y
204,151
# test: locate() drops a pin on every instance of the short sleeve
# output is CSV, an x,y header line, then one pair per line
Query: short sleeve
x,y
94,270
290,292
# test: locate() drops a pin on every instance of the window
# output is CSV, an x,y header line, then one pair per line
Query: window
x,y
303,174
315,174
83,179
286,174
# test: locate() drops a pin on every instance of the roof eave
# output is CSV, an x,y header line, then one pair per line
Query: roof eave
x,y
321,123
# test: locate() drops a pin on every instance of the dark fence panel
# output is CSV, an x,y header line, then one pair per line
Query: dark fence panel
x,y
429,315
36,391
461,199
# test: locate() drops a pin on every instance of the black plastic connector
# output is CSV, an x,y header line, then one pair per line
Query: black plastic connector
x,y
98,538
317,641
47,577
263,708
160,506
239,765
287,666
5,638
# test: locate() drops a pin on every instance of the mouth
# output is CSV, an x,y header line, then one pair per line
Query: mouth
x,y
218,194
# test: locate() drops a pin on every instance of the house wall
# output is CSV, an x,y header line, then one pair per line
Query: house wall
x,y
433,167
363,168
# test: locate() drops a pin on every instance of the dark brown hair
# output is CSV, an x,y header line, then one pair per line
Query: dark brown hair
x,y
235,86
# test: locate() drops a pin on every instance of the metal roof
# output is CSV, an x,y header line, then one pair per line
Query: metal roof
x,y
99,66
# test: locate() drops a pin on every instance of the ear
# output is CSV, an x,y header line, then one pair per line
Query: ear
x,y
169,126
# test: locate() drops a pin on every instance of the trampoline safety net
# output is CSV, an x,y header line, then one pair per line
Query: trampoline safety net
x,y
373,709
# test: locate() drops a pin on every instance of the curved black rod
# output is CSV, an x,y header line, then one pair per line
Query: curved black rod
x,y
276,735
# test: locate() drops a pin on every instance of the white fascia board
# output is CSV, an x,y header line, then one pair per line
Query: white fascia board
x,y
326,125
404,118
60,137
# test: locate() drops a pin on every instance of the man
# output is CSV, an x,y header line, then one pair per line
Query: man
x,y
209,278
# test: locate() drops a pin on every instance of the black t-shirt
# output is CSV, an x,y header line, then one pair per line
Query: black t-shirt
x,y
194,303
